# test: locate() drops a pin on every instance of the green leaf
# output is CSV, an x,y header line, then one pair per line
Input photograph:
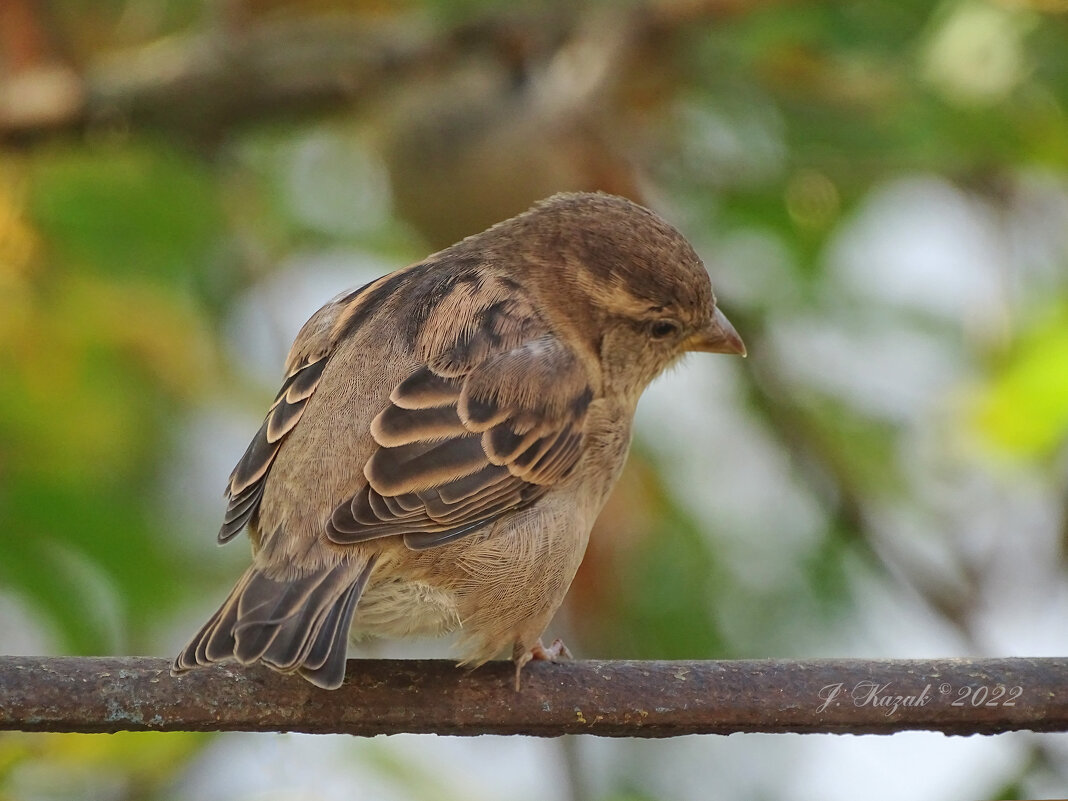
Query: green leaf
x,y
143,210
1023,410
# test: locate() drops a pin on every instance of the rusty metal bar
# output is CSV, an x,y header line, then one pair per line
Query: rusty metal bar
x,y
615,699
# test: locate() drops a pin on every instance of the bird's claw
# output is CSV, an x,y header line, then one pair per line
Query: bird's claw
x,y
538,652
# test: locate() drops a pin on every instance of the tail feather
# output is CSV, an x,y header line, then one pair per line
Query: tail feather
x,y
318,648
325,662
215,641
298,625
276,618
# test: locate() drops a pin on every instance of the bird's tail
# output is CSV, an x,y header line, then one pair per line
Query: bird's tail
x,y
297,625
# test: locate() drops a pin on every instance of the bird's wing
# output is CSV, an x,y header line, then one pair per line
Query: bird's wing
x,y
245,489
492,418
305,364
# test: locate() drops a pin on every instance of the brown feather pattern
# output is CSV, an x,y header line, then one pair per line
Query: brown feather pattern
x,y
291,625
465,435
245,489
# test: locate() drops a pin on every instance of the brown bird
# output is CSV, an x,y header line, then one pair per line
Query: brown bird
x,y
447,434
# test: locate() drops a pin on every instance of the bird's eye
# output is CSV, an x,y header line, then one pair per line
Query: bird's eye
x,y
663,329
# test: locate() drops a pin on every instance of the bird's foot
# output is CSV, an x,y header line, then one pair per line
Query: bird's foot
x,y
554,653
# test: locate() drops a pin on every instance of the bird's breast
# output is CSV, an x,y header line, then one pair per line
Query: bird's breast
x,y
608,436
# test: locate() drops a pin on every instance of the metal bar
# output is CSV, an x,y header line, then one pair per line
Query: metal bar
x,y
615,699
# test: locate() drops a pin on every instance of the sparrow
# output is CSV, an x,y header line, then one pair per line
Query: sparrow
x,y
446,435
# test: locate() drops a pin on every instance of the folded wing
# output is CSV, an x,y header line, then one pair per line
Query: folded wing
x,y
491,421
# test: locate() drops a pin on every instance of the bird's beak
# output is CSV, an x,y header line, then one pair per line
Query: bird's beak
x,y
718,336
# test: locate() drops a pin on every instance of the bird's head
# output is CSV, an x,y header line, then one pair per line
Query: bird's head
x,y
629,286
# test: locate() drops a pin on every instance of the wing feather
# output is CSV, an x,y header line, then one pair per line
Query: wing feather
x,y
245,489
493,418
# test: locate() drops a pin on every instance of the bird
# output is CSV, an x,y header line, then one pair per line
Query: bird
x,y
446,435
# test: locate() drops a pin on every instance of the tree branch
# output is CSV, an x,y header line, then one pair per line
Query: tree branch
x,y
617,699
200,83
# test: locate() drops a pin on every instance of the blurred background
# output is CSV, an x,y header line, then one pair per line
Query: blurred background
x,y
878,187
